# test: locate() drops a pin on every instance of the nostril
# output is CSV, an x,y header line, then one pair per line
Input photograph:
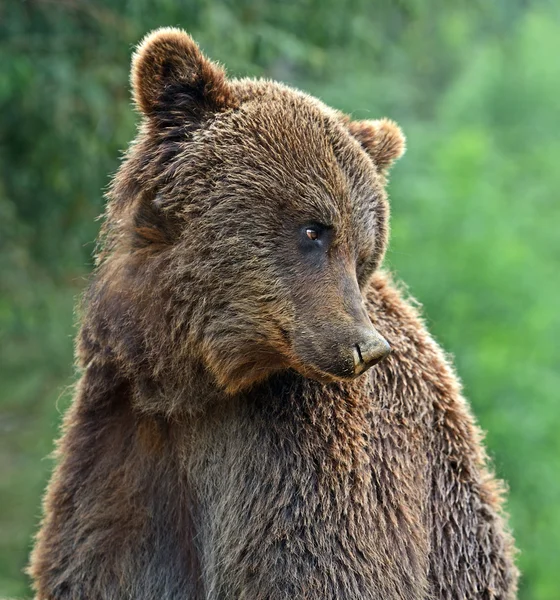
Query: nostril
x,y
359,352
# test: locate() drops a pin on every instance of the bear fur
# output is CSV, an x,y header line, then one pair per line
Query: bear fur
x,y
220,444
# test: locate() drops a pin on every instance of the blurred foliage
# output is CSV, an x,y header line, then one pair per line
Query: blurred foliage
x,y
475,204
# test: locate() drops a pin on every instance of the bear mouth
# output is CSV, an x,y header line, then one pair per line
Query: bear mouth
x,y
312,371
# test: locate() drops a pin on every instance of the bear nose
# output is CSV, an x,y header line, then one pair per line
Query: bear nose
x,y
372,349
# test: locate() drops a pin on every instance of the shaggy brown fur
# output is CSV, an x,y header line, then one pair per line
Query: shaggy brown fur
x,y
219,445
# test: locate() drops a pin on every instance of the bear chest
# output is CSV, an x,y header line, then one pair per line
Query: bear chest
x,y
330,507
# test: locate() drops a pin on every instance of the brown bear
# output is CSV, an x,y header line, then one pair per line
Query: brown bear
x,y
227,439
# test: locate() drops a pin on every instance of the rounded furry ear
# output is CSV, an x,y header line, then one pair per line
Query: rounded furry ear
x,y
171,76
383,140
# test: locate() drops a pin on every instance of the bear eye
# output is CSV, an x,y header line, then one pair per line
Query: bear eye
x,y
315,236
312,233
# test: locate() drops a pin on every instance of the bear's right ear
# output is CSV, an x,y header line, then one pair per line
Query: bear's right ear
x,y
171,78
383,140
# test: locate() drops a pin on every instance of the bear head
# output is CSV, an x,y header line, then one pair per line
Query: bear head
x,y
244,225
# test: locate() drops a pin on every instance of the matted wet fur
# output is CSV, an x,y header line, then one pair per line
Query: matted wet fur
x,y
220,444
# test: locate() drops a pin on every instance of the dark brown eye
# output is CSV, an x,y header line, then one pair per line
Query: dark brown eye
x,y
315,238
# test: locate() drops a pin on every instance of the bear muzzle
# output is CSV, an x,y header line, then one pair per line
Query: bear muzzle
x,y
370,350
341,354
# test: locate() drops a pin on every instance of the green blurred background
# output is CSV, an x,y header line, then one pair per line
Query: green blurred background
x,y
476,88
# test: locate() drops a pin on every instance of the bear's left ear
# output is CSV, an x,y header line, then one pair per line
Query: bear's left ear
x,y
171,78
383,140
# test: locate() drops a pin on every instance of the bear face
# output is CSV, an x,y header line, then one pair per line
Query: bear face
x,y
254,216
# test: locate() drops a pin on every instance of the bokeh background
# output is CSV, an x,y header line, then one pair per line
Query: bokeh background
x,y
475,202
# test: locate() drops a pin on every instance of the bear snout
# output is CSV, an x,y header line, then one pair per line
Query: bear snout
x,y
372,349
340,354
